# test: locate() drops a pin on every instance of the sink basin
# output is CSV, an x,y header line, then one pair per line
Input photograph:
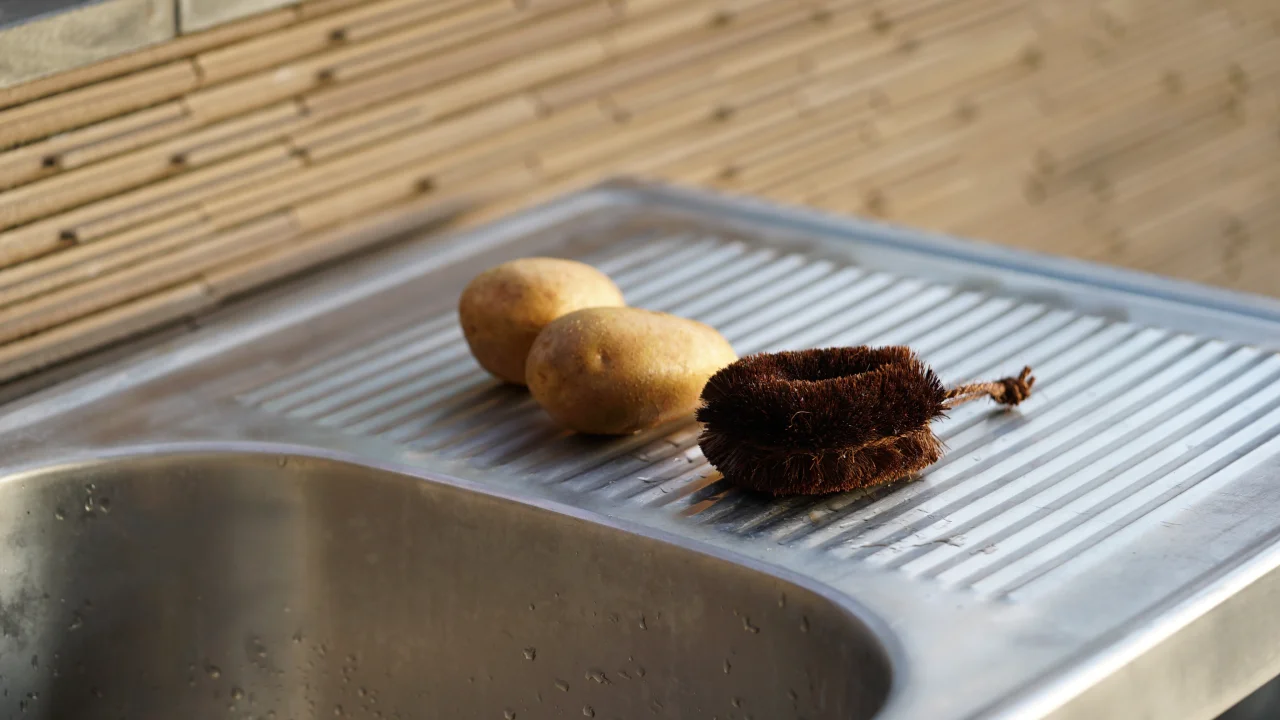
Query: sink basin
x,y
186,585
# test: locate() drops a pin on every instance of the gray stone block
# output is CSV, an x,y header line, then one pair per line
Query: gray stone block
x,y
53,43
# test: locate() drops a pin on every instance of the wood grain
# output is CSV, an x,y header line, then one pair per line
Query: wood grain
x,y
1138,132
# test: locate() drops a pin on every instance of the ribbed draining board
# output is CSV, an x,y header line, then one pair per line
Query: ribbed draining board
x,y
1127,416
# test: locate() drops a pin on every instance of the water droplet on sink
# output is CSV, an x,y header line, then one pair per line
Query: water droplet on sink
x,y
237,693
35,661
337,710
588,711
59,514
791,693
746,625
727,666
598,676
804,624
213,671
643,624
736,702
639,671
77,622
782,600
509,715
88,504
104,504
281,462
530,653
297,637
562,685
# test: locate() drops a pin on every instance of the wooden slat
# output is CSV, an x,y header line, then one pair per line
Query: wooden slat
x,y
91,103
181,47
96,220
77,148
86,262
140,279
125,172
357,24
95,331
255,270
437,69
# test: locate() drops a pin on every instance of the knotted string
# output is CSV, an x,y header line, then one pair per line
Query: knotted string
x,y
1006,391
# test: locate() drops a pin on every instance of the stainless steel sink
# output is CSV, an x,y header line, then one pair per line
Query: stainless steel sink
x,y
185,585
1111,549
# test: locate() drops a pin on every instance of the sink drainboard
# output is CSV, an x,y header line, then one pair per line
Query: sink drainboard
x,y
1126,419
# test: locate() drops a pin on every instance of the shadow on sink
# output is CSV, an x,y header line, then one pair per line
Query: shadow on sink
x,y
185,586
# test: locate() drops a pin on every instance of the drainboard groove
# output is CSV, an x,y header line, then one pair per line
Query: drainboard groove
x,y
438,372
1036,444
312,381
440,350
969,427
1001,357
1227,450
1024,502
1042,431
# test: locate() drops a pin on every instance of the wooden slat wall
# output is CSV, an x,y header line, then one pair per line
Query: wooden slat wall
x,y
1139,132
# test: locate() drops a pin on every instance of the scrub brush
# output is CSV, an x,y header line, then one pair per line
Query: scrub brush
x,y
819,421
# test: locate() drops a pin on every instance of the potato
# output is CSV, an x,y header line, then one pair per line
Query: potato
x,y
504,308
619,370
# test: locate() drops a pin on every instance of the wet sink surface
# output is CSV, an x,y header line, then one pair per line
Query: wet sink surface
x,y
191,585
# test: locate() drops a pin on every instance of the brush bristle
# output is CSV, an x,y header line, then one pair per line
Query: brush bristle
x,y
820,421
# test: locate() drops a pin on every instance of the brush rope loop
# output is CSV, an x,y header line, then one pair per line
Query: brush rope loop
x,y
1006,391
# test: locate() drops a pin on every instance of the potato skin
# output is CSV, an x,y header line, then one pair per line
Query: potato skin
x,y
620,370
503,309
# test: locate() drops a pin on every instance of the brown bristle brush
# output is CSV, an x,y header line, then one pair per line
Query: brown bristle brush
x,y
819,421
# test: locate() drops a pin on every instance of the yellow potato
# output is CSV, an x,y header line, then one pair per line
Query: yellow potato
x,y
619,370
504,308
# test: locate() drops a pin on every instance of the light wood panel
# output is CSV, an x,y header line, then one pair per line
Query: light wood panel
x,y
1140,132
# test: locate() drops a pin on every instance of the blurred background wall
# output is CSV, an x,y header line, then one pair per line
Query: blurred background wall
x,y
159,157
